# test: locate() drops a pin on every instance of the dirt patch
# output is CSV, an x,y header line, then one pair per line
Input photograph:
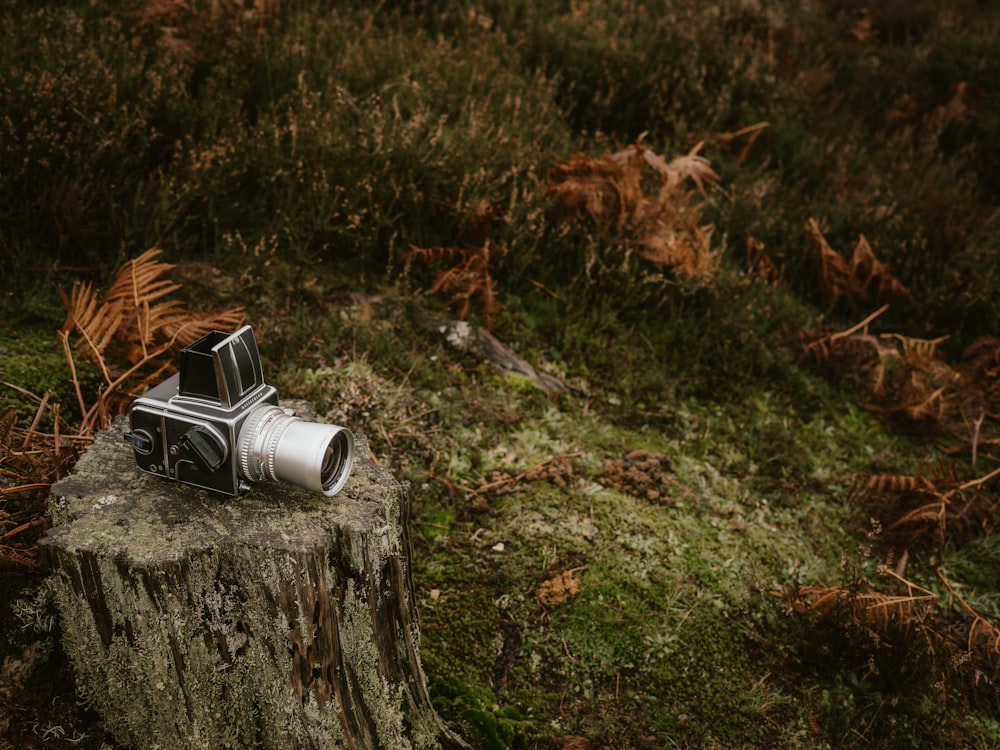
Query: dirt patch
x,y
640,473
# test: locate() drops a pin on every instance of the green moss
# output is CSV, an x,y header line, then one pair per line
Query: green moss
x,y
32,360
484,724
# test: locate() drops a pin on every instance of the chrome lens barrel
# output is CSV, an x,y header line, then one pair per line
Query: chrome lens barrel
x,y
273,445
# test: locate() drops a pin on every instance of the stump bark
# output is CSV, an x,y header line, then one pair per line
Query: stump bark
x,y
278,619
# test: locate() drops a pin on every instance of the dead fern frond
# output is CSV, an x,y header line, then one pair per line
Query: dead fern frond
x,y
874,277
936,506
139,281
687,252
978,395
853,355
759,263
917,351
912,389
862,281
132,322
8,418
833,273
688,166
181,326
982,642
636,199
885,484
30,461
867,607
95,323
597,190
468,278
20,558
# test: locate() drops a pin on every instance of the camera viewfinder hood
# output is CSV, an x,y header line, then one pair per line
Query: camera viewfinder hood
x,y
222,368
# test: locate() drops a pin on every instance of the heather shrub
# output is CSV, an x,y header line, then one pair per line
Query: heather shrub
x,y
88,124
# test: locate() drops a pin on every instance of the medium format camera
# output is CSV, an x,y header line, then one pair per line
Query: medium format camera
x,y
215,424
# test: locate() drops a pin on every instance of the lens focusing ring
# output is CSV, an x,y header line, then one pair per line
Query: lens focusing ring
x,y
274,445
259,441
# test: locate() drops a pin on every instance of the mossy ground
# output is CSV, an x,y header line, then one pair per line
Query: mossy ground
x,y
681,521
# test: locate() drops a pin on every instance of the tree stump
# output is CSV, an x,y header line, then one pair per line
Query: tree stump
x,y
278,619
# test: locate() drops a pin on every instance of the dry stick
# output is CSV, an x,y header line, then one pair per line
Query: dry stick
x,y
100,406
978,423
977,617
540,285
35,421
24,527
753,130
859,326
499,482
25,391
523,474
974,482
25,488
446,482
686,490
910,585
726,137
55,426
76,381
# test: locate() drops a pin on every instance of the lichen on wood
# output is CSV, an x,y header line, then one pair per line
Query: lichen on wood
x,y
278,619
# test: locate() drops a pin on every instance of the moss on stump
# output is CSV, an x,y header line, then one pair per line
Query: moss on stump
x,y
278,619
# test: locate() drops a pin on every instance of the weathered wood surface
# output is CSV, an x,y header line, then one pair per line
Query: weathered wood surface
x,y
278,619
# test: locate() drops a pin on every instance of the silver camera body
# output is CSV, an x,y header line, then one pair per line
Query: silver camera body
x,y
216,424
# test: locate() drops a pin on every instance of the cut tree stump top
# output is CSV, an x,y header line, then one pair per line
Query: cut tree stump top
x,y
109,505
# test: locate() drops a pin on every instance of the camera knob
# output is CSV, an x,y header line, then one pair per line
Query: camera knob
x,y
140,440
204,448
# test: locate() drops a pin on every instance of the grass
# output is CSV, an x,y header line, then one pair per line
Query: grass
x,y
618,565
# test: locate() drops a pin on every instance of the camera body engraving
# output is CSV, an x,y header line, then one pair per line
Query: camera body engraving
x,y
216,424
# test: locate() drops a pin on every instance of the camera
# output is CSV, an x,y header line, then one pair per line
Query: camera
x,y
216,424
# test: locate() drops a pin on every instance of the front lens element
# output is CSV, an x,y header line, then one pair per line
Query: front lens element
x,y
316,456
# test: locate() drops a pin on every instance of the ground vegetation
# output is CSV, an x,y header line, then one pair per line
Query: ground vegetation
x,y
678,317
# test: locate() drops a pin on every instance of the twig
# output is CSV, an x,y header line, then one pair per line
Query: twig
x,y
25,488
36,420
55,426
25,391
977,617
859,326
742,131
511,480
684,488
978,423
541,286
910,585
72,366
41,520
499,482
981,480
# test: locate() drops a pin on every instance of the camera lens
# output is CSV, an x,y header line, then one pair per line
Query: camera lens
x,y
277,446
332,459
